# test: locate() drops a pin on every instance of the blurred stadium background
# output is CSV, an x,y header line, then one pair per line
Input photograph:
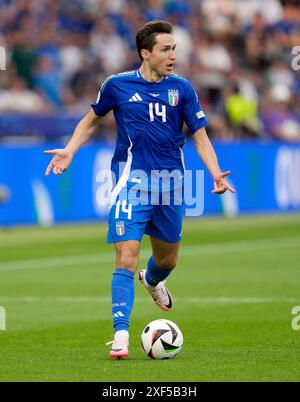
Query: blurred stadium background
x,y
242,56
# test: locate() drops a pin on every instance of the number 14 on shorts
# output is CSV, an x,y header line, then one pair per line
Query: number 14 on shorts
x,y
124,209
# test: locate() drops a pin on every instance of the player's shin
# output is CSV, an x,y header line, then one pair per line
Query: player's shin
x,y
122,294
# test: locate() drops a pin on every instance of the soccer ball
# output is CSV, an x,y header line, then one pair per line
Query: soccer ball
x,y
162,339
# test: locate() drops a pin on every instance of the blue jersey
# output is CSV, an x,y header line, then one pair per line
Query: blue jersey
x,y
149,118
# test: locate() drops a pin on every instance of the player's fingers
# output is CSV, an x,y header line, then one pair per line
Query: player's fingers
x,y
56,170
230,188
50,151
220,190
220,186
61,167
225,174
49,167
57,167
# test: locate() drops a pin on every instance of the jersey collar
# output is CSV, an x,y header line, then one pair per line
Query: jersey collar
x,y
149,82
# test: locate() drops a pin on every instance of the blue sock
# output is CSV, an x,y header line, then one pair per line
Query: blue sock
x,y
122,296
155,274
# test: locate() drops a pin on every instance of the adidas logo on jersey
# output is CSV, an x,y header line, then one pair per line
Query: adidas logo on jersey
x,y
135,98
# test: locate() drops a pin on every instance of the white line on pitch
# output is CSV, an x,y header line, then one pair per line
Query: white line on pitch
x,y
197,300
185,251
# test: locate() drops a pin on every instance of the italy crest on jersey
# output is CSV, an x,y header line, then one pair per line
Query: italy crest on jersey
x,y
173,97
120,228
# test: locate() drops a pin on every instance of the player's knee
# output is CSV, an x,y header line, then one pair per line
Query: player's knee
x,y
126,259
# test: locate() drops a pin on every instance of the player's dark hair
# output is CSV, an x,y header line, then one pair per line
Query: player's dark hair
x,y
146,36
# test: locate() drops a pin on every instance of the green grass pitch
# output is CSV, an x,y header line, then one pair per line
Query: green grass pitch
x,y
235,286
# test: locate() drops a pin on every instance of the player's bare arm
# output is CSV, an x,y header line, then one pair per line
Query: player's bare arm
x,y
207,154
62,158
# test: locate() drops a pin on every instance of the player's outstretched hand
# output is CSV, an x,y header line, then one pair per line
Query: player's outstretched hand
x,y
220,184
60,161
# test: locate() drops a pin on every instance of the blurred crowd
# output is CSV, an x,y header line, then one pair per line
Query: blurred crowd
x,y
242,56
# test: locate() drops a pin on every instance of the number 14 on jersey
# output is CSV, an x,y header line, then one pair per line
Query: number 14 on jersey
x,y
155,109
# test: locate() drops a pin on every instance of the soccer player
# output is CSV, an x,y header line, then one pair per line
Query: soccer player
x,y
150,106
